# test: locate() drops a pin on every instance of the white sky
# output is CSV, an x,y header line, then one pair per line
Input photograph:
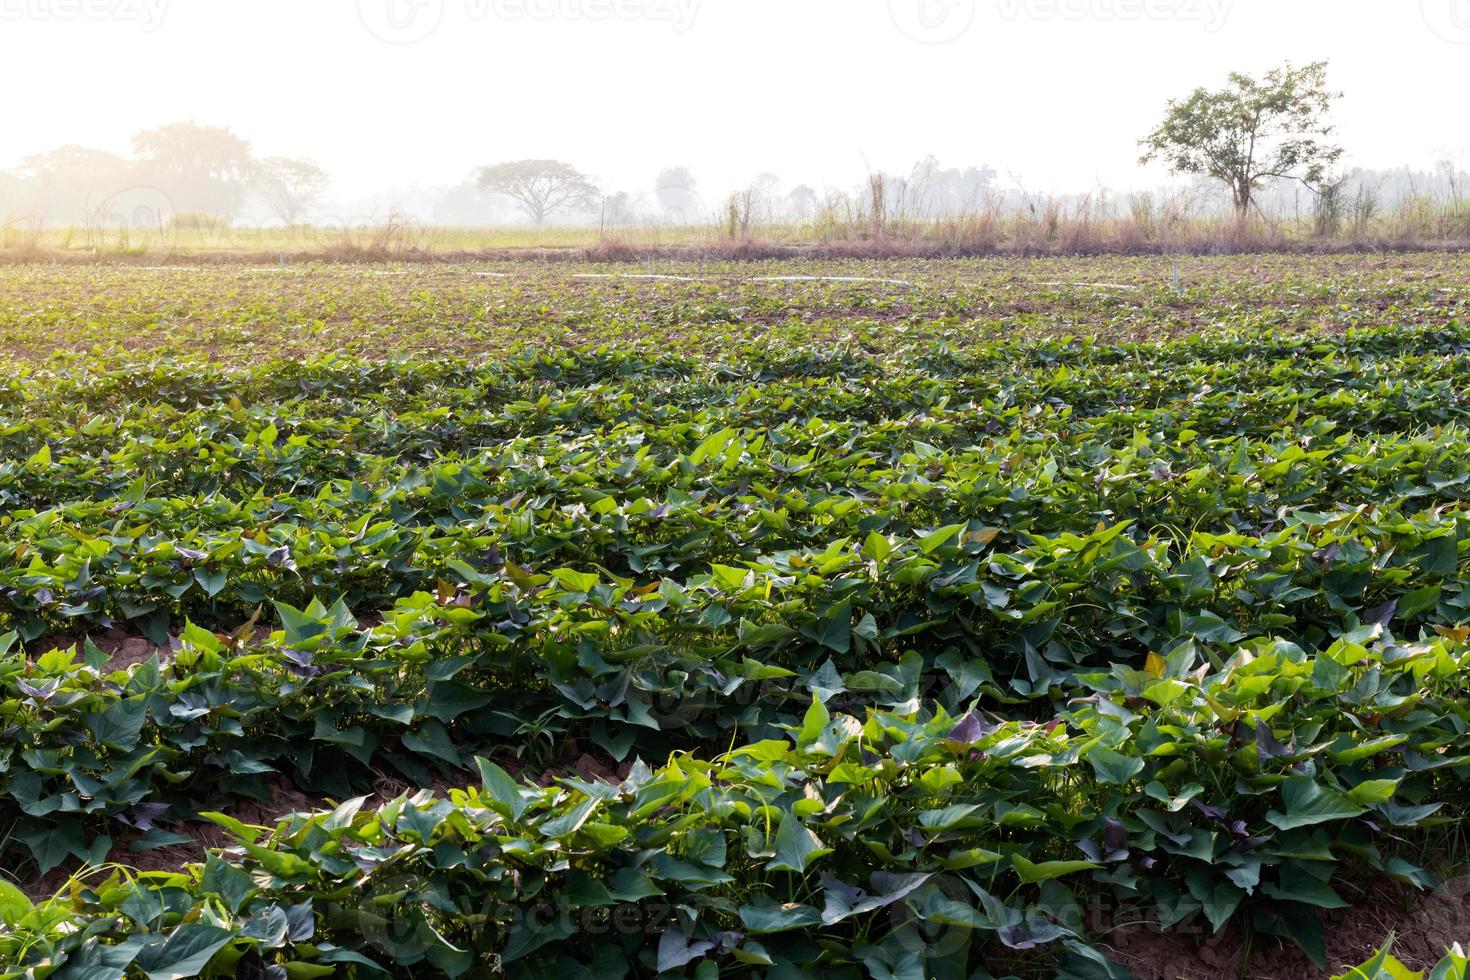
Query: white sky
x,y
817,91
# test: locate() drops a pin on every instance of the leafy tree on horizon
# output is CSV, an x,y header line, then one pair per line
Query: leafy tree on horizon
x,y
290,186
541,188
1251,131
205,169
67,184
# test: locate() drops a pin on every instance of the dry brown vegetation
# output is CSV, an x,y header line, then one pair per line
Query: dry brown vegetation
x,y
1044,227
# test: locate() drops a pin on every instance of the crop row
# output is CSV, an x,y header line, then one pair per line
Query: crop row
x,y
840,841
968,638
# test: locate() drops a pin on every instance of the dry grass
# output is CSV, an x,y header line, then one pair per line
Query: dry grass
x,y
1042,227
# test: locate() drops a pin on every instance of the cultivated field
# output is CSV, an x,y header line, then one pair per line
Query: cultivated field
x,y
857,619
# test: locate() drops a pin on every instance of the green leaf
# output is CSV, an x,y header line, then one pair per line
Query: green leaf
x,y
1381,966
843,902
1172,802
1030,873
714,445
1306,889
1308,803
1218,895
14,905
238,829
574,581
1083,962
232,884
764,916
814,722
121,724
185,953
932,541
51,845
1452,967
877,547
1298,923
1113,768
502,788
297,625
1372,791
571,821
796,846
834,630
212,582
450,699
432,739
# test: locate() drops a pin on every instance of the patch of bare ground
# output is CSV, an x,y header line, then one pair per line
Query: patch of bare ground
x,y
284,799
575,760
123,649
1423,926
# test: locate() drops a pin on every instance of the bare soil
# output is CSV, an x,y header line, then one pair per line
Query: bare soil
x,y
1423,927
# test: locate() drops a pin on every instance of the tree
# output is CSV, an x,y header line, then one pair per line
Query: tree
x,y
618,210
201,168
801,202
290,187
1251,131
677,197
935,192
67,184
542,188
765,193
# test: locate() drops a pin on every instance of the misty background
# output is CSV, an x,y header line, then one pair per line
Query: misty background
x,y
267,114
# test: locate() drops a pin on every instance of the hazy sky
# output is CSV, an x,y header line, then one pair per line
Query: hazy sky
x,y
389,93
